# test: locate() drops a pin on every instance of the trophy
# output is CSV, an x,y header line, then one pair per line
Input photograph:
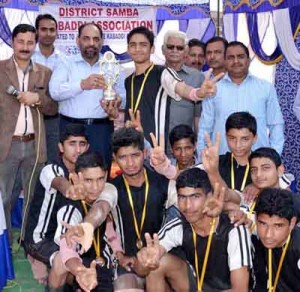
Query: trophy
x,y
110,69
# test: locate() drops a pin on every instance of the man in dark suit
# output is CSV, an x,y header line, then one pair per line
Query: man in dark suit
x,y
24,98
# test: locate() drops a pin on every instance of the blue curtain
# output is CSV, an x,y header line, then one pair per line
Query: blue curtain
x,y
5,33
237,6
286,83
255,41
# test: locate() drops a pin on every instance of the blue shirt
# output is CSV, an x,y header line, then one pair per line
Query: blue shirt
x,y
254,95
72,100
51,62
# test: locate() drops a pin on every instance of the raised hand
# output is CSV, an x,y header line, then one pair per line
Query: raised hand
x,y
94,81
135,121
76,191
87,277
238,217
149,256
157,154
82,233
209,87
214,204
111,107
210,154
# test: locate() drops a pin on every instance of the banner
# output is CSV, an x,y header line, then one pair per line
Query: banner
x,y
116,22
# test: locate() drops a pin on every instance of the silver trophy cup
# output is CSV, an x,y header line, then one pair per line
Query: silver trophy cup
x,y
110,69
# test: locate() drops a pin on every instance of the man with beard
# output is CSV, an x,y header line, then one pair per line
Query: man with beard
x,y
77,86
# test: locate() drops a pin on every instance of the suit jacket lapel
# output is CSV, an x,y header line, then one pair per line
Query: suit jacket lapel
x,y
33,77
12,73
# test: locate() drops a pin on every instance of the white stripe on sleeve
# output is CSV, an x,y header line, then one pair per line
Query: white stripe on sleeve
x,y
48,173
239,248
171,234
169,79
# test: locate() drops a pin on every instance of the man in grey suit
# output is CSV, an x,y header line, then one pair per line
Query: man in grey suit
x,y
24,98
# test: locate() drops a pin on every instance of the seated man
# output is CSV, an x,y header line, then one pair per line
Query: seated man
x,y
183,146
226,246
278,242
241,134
142,198
266,171
53,182
94,172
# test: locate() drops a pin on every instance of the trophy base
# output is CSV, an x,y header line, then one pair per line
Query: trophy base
x,y
109,95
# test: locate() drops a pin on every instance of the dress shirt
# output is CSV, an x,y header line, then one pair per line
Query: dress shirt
x,y
24,124
72,100
254,95
296,107
51,62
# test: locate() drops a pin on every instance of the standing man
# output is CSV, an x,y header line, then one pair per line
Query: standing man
x,y
148,89
47,55
24,99
215,54
77,86
195,57
183,111
241,91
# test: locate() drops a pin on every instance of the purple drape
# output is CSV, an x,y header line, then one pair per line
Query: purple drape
x,y
5,32
255,41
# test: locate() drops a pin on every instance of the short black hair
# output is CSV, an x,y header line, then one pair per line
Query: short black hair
x,y
89,160
81,27
23,28
76,130
217,39
144,31
194,178
238,44
125,137
241,120
41,17
181,132
266,152
196,43
276,201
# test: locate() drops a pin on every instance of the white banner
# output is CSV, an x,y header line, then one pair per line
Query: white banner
x,y
116,22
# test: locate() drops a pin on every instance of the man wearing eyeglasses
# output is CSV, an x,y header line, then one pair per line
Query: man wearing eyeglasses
x,y
182,111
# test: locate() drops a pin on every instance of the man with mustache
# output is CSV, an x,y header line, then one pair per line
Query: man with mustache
x,y
24,99
78,87
195,57
239,90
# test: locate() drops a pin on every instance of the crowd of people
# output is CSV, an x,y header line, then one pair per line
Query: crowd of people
x,y
201,200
